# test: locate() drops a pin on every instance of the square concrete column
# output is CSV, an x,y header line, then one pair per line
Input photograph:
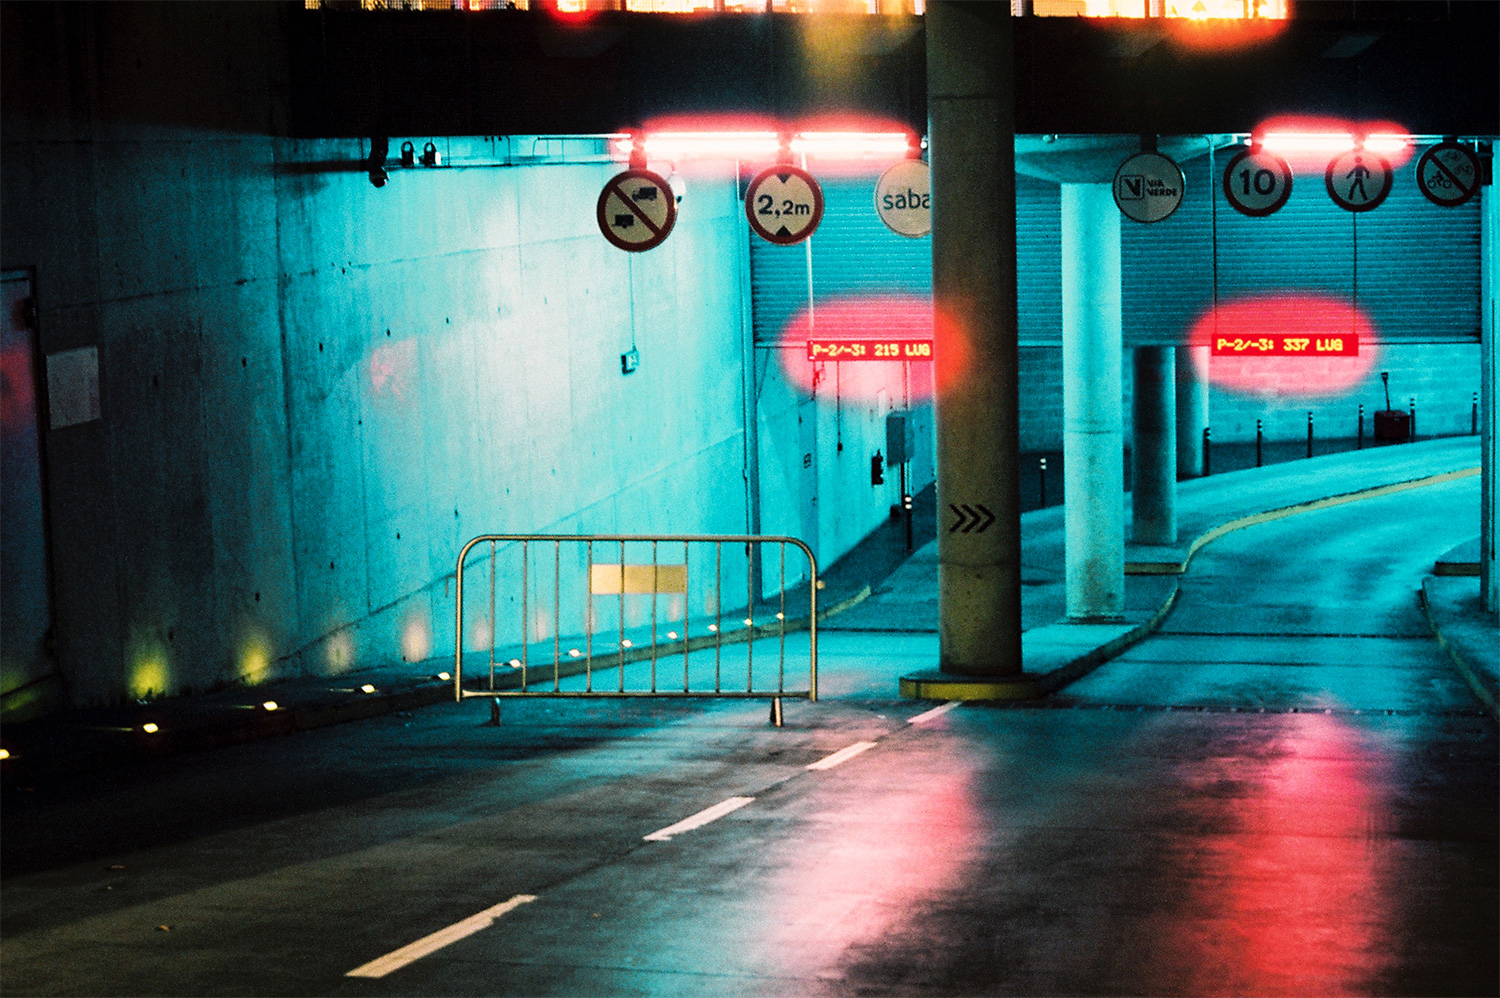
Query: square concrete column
x,y
1153,490
1093,434
972,135
1192,409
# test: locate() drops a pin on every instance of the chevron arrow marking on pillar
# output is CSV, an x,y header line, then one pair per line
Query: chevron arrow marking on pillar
x,y
971,519
989,518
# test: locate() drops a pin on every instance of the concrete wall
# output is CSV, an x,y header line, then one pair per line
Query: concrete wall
x,y
1442,377
312,390
816,449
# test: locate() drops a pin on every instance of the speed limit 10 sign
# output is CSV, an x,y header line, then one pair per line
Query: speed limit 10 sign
x,y
1257,183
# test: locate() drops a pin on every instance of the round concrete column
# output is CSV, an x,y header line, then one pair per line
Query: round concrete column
x,y
1192,409
972,134
1153,490
1093,438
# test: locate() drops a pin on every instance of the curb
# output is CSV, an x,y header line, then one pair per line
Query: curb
x,y
1475,684
221,728
1055,680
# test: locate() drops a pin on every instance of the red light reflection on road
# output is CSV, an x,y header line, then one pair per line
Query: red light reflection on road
x,y
1308,314
885,317
868,875
1294,898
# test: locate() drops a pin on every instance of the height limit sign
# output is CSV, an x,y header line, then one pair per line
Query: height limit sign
x,y
784,204
637,210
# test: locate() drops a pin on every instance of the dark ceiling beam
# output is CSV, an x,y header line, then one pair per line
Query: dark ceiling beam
x,y
1431,67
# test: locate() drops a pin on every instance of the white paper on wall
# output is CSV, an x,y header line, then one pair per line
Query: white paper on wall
x,y
73,386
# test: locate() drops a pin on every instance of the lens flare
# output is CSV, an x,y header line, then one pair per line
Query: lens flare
x,y
1307,314
869,320
1308,142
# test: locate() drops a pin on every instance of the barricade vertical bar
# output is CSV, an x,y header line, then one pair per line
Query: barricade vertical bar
x,y
494,635
749,618
781,617
525,609
812,626
458,625
655,584
556,615
588,623
718,608
687,608
622,616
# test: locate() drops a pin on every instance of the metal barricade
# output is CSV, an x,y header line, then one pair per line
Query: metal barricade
x,y
595,584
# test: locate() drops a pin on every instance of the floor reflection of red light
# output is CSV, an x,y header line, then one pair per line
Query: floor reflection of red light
x,y
1292,897
1308,314
872,320
866,875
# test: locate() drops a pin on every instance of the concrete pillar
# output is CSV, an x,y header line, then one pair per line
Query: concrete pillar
x,y
1093,437
1489,353
1192,409
1153,508
972,134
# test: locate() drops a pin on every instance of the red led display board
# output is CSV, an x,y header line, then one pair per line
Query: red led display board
x,y
869,350
1286,345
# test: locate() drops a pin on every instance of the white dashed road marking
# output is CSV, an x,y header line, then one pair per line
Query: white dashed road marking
x,y
842,755
937,711
700,819
430,944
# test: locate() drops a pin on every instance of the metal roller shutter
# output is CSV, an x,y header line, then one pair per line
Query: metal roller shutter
x,y
1416,264
853,255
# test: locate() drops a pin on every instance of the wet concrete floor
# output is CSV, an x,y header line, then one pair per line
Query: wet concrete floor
x,y
1287,790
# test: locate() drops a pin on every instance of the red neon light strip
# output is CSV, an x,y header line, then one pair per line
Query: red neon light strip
x,y
1286,345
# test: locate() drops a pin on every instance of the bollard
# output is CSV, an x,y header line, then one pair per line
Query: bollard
x,y
494,720
776,712
1042,479
1474,416
1359,441
1207,453
1257,443
1309,433
1411,437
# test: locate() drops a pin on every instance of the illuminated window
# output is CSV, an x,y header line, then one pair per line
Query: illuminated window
x,y
1195,9
642,6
